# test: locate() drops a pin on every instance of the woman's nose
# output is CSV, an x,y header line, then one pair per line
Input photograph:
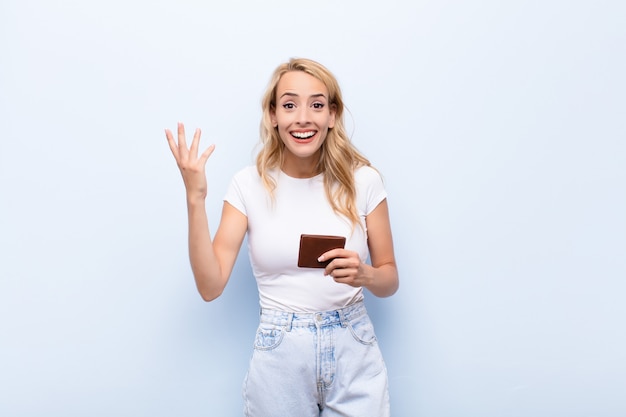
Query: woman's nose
x,y
303,116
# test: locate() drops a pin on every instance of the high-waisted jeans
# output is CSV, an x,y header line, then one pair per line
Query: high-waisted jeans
x,y
316,364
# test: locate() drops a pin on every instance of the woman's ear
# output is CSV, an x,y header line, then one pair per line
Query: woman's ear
x,y
273,116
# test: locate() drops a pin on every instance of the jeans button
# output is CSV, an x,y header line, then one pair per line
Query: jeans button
x,y
318,317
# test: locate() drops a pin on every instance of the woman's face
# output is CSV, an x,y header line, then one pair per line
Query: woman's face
x,y
303,116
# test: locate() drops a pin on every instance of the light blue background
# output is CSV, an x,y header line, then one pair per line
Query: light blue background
x,y
499,127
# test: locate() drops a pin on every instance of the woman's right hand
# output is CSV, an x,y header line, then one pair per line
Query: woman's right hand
x,y
192,166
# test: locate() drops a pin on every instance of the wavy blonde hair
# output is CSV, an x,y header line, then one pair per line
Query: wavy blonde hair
x,y
338,156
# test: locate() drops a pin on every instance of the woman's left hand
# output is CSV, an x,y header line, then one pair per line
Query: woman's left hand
x,y
346,267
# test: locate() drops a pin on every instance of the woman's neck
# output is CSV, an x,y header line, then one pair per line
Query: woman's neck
x,y
301,167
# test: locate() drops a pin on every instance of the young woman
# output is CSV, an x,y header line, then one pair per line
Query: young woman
x,y
315,352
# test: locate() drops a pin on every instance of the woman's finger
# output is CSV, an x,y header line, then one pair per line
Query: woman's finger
x,y
182,143
206,154
171,143
195,143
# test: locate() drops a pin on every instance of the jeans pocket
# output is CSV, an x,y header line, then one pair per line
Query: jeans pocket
x,y
268,337
362,330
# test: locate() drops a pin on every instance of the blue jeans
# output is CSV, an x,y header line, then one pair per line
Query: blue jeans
x,y
316,364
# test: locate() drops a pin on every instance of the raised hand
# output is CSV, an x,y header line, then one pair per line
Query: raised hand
x,y
192,166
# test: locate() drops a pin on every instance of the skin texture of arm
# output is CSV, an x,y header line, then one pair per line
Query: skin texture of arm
x,y
381,277
211,261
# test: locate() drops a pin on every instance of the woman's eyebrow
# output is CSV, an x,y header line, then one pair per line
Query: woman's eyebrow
x,y
287,93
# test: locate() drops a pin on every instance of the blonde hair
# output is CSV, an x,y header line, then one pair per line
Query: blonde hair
x,y
338,156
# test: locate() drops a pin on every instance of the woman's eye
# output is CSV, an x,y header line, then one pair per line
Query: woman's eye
x,y
288,106
318,105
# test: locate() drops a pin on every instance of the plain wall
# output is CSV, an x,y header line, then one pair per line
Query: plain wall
x,y
499,128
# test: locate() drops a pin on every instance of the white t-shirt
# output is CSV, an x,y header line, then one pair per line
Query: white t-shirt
x,y
300,207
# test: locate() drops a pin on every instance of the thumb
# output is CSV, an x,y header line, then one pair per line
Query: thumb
x,y
206,154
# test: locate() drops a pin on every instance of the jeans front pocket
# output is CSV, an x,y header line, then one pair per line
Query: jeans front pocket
x,y
268,337
362,330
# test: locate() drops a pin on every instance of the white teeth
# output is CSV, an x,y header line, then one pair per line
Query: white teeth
x,y
303,135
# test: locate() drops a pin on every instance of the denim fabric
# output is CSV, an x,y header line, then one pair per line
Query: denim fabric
x,y
316,365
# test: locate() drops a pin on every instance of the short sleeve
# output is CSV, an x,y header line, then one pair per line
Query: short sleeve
x,y
371,190
236,192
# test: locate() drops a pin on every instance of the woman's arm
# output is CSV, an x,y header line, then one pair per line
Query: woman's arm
x,y
211,261
381,277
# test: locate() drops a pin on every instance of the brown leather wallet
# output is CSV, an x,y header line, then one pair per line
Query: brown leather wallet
x,y
313,246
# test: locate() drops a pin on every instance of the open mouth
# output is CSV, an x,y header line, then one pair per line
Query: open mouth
x,y
304,135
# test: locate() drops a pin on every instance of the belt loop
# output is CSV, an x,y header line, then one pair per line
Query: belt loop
x,y
289,321
342,317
